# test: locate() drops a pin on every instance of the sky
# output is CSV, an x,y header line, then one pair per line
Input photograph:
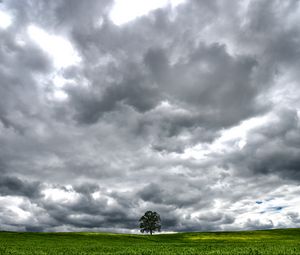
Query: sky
x,y
189,108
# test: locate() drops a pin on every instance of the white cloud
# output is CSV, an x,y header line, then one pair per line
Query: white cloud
x,y
5,20
230,139
59,48
273,207
13,208
125,11
60,196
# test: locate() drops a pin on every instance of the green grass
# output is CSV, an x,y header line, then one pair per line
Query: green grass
x,y
281,241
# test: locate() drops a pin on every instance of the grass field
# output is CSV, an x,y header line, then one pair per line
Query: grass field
x,y
285,241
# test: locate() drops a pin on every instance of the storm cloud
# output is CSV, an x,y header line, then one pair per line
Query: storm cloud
x,y
189,110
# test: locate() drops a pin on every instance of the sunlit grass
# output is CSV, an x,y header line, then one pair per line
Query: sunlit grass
x,y
285,241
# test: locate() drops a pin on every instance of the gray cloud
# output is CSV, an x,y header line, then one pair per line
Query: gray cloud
x,y
191,111
15,187
274,147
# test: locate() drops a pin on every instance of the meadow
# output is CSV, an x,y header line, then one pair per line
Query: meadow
x,y
281,241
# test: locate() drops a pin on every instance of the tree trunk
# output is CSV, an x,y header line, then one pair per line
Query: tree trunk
x,y
150,231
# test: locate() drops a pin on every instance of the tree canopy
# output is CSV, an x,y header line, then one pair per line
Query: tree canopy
x,y
150,222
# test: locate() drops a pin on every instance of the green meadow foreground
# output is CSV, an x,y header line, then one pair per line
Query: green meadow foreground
x,y
285,241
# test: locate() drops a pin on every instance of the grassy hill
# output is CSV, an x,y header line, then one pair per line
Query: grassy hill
x,y
281,241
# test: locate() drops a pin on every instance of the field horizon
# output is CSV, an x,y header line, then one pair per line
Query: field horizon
x,y
155,233
270,241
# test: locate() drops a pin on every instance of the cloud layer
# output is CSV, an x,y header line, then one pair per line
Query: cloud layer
x,y
192,111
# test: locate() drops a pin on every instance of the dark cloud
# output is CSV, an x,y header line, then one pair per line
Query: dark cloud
x,y
208,76
274,147
90,106
294,217
190,111
15,187
152,193
256,224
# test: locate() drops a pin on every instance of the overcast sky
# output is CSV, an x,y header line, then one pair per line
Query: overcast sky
x,y
189,108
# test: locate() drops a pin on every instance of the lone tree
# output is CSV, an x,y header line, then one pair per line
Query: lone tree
x,y
150,222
